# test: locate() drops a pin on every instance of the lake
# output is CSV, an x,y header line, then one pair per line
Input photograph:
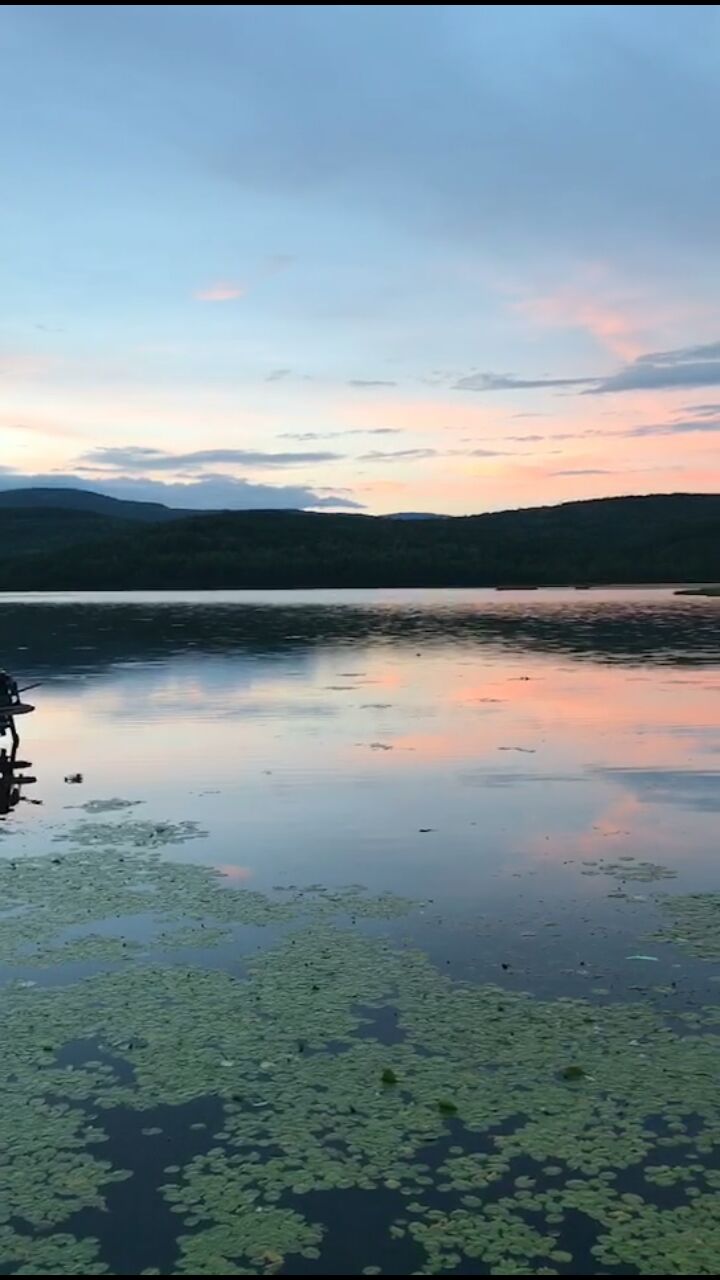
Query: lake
x,y
362,933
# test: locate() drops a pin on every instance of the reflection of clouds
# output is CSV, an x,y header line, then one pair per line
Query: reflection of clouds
x,y
237,708
234,873
516,778
570,718
610,743
622,823
619,814
608,713
471,695
273,708
291,783
593,717
206,689
389,677
690,788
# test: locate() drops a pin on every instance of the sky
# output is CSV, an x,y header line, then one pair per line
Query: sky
x,y
360,257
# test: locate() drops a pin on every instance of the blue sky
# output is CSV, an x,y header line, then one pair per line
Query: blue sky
x,y
377,257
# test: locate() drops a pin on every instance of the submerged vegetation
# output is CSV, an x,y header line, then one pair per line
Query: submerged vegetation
x,y
489,1122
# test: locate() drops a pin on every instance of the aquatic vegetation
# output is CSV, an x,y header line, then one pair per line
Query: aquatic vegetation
x,y
501,1116
58,1254
654,1241
693,924
215,1191
98,947
106,877
572,1073
143,834
114,805
494,1234
629,868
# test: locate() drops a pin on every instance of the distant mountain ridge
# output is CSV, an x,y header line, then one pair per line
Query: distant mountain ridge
x,y
108,543
129,508
88,500
415,515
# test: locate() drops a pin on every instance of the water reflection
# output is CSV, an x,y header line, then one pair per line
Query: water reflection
x,y
13,779
689,788
77,632
448,741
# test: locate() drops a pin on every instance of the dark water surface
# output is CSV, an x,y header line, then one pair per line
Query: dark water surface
x,y
509,762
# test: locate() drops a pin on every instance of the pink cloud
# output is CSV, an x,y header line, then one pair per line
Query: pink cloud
x,y
610,325
220,291
623,319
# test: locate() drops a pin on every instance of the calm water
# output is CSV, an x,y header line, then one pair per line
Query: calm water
x,y
314,736
472,750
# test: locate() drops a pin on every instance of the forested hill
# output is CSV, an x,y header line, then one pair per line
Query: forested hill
x,y
661,538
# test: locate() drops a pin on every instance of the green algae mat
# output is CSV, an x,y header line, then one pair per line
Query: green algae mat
x,y
331,1094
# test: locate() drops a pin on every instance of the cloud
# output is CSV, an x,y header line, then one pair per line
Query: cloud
x,y
542,161
278,159
611,471
586,471
230,290
584,305
400,455
204,492
681,428
418,455
703,410
220,291
552,436
661,370
574,174
677,427
697,366
123,457
370,382
681,355
482,453
336,435
276,375
509,382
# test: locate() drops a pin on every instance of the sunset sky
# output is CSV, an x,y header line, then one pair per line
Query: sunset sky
x,y
360,257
